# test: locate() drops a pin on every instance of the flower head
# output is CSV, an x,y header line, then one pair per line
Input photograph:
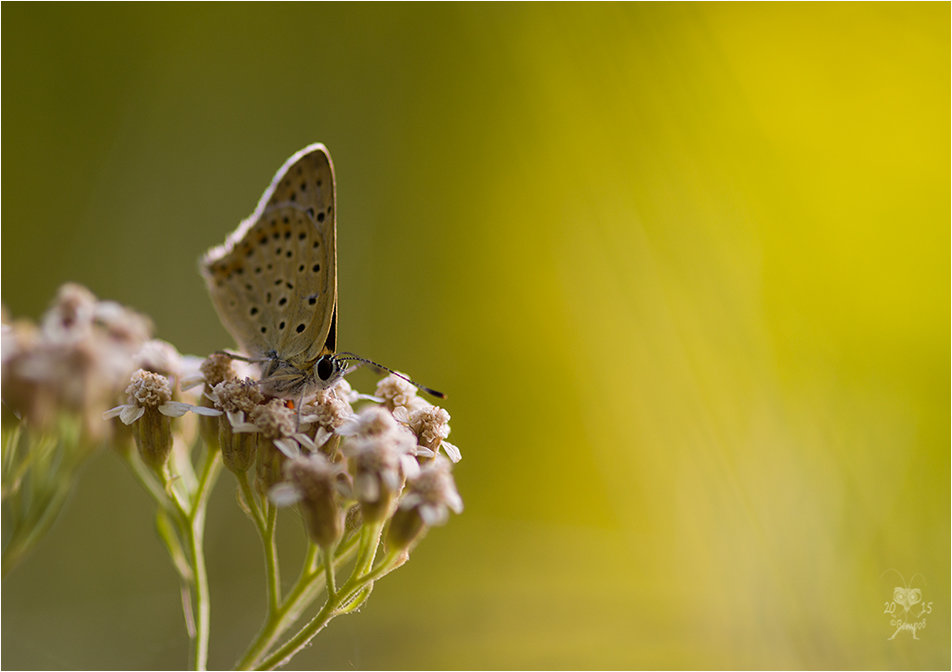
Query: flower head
x,y
273,419
149,390
395,392
325,414
159,357
77,361
431,426
316,484
217,368
150,406
429,497
374,423
237,398
382,453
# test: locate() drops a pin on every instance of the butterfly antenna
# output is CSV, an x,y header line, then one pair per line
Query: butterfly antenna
x,y
349,357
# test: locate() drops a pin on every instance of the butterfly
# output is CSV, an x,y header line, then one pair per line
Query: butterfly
x,y
274,281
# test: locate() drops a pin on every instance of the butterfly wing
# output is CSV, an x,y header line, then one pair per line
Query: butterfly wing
x,y
274,281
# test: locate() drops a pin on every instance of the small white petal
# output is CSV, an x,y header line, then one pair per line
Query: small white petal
x,y
131,413
113,412
344,489
455,502
284,494
235,418
410,500
205,410
401,414
288,446
405,441
305,441
368,397
174,409
367,488
433,515
422,451
391,478
451,451
321,437
411,468
349,428
194,380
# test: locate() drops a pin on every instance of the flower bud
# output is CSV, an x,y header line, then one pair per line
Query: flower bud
x,y
153,435
153,431
406,527
235,398
238,449
273,420
315,484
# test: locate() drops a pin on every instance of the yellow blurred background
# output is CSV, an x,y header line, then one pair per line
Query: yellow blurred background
x,y
683,270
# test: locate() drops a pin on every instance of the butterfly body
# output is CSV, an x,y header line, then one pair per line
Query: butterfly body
x,y
274,280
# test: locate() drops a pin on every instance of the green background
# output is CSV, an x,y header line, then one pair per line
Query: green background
x,y
683,270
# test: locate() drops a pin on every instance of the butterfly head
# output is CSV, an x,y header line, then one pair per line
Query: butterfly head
x,y
327,370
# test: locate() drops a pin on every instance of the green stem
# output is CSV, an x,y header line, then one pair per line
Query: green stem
x,y
251,501
308,586
370,540
272,567
343,602
265,523
328,554
147,478
299,641
313,556
202,608
195,533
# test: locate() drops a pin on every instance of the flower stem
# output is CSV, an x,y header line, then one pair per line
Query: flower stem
x,y
148,481
309,583
265,522
196,533
347,599
202,609
328,554
272,567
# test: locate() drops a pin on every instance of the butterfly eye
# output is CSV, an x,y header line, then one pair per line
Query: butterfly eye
x,y
326,368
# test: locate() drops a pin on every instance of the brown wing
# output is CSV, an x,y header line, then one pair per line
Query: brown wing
x,y
274,281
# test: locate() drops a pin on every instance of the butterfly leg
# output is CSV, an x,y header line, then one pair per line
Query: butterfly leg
x,y
300,404
242,358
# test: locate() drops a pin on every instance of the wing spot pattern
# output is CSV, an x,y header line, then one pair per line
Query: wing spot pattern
x,y
249,279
